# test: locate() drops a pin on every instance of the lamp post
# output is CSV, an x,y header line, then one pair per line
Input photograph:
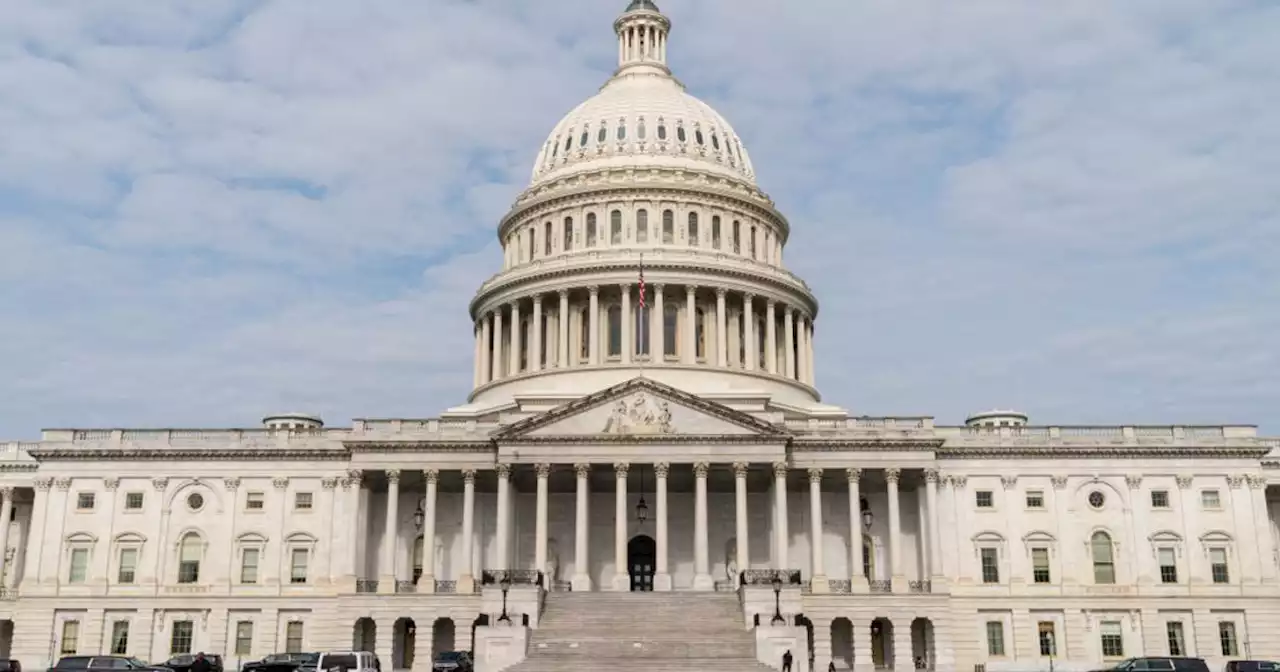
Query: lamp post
x,y
642,509
419,516
506,586
777,600
866,515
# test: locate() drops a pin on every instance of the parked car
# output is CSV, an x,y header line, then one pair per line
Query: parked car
x,y
348,661
1252,666
182,662
453,661
10,665
283,662
96,663
1159,664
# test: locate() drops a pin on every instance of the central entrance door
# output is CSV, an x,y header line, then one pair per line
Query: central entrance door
x,y
642,558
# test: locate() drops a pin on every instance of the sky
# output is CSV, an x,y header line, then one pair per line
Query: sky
x,y
215,210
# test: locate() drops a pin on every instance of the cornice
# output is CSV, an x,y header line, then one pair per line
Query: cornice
x,y
86,453
631,439
14,467
802,444
417,445
1102,450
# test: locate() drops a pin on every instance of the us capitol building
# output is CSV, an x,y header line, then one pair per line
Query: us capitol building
x,y
670,440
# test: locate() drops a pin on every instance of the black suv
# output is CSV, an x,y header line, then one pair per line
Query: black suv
x,y
1161,664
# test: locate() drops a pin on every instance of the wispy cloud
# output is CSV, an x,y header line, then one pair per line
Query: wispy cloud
x,y
212,212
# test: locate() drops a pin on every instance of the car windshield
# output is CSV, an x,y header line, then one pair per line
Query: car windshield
x,y
449,656
134,662
340,661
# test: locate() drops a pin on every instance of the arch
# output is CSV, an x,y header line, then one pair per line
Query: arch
x,y
208,492
988,536
1102,554
1165,536
301,537
869,557
252,538
443,636
1216,536
1099,484
364,634
923,650
842,641
642,554
130,538
191,547
404,635
1039,536
881,642
81,538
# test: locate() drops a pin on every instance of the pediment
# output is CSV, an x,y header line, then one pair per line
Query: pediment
x,y
641,409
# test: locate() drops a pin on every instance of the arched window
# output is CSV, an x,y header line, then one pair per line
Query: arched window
x,y
615,227
532,247
715,232
662,130
697,135
189,551
700,334
555,147
680,133
582,141
417,558
669,332
668,227
603,134
760,341
640,129
568,234
751,243
546,240
715,141
615,330
591,229
568,140
622,129
868,559
584,335
1104,566
737,237
693,229
642,226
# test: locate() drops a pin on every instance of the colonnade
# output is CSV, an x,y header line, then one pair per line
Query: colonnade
x,y
732,323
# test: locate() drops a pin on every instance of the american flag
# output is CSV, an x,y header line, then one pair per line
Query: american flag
x,y
642,282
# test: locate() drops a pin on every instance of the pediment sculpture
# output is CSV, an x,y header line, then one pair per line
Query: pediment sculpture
x,y
643,415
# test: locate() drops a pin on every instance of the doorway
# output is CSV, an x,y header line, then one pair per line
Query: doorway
x,y
642,558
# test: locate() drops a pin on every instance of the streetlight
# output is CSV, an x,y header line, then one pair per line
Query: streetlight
x,y
506,586
866,515
419,516
642,509
777,600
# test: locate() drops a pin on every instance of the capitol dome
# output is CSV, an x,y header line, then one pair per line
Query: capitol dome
x,y
643,117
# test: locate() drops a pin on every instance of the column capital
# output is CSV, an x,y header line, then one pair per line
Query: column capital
x,y
657,286
1009,482
720,292
469,476
1134,482
7,491
329,482
690,289
111,483
504,470
282,482
431,475
815,475
355,477
700,469
661,469
393,475
892,474
1183,480
1257,482
625,288
770,303
931,475
780,469
537,299
594,290
564,294
542,469
959,481
740,469
582,469
854,474
1234,481
620,469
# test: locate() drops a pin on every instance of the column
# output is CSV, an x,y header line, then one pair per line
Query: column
x,y
749,349
690,354
6,511
701,567
621,578
504,516
581,578
895,525
743,548
496,358
770,338
357,533
391,534
781,559
1262,527
657,328
486,352
722,329
661,576
802,352
543,472
466,580
516,346
818,580
936,574
789,340
562,325
857,581
628,324
593,326
535,335
427,583
808,355
475,361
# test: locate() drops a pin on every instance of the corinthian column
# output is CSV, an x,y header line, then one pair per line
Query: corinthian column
x,y
722,329
427,582
661,576
628,324
486,350
535,335
657,327
934,536
391,534
743,547
895,529
857,580
496,359
750,353
593,324
581,575
701,566
781,554
817,582
788,327
562,326
466,579
621,578
690,354
504,516
770,338
543,472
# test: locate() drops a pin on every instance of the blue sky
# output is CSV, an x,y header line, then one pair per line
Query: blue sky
x,y
214,210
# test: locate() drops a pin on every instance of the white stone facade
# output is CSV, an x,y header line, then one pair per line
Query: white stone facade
x,y
999,541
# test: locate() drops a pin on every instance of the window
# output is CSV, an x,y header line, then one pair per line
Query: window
x,y
693,229
1168,565
1035,499
669,332
1040,565
293,637
132,501
642,226
180,640
417,558
640,131
70,638
700,334
189,551
1227,637
737,237
603,133
244,638
302,500
79,565
662,130
668,227
1112,639
584,335
1209,499
591,229
255,501
195,501
715,231
546,239
697,135
1104,567
1097,500
1160,500
622,129
127,572
615,227
1218,565
1048,638
680,133
984,499
615,330
120,638
990,565
995,638
751,242
1176,638
298,565
568,234
84,501
249,565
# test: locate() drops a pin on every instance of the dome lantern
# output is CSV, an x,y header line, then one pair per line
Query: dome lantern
x,y
642,37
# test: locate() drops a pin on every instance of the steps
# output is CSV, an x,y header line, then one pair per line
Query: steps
x,y
630,632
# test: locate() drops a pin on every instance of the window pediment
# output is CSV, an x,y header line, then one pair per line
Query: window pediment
x,y
251,539
301,539
130,538
81,538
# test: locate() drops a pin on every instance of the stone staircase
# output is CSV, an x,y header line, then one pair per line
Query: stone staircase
x,y
634,632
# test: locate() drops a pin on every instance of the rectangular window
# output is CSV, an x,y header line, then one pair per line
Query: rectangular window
x,y
85,501
293,637
1168,565
995,638
120,638
70,638
1218,565
990,565
180,641
249,565
1048,638
1227,637
1159,499
1209,499
132,501
1040,565
244,638
298,565
79,565
1177,640
302,501
984,499
1035,499
128,566
1112,639
254,501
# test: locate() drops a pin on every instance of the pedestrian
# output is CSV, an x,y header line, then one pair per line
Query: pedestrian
x,y
831,667
786,661
201,664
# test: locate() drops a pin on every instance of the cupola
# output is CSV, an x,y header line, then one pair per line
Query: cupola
x,y
997,418
642,38
292,421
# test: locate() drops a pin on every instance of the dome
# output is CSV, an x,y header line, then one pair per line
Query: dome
x,y
643,117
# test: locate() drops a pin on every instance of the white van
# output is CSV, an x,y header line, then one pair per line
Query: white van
x,y
348,661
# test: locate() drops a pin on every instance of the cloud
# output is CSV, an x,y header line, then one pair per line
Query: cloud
x,y
213,212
